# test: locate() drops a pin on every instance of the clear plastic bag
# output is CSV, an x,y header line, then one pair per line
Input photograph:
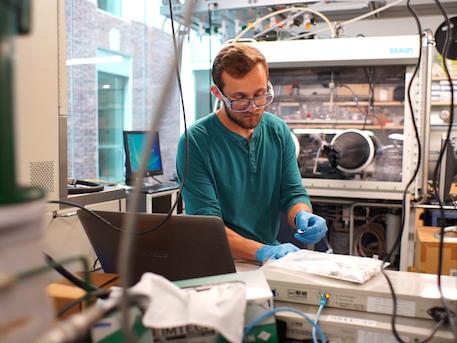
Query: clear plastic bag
x,y
343,267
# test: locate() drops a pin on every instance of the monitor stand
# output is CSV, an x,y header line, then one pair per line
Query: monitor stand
x,y
147,181
152,182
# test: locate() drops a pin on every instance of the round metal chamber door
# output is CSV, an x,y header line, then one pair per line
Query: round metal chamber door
x,y
355,150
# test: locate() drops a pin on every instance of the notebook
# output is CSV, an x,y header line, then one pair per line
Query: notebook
x,y
183,247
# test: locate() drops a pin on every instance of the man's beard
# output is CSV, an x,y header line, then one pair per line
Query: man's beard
x,y
243,122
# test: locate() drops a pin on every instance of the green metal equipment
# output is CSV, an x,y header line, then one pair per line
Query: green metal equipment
x,y
14,19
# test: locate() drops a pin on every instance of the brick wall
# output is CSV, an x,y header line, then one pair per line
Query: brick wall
x,y
150,49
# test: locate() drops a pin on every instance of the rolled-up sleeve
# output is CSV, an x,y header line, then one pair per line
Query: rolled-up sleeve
x,y
199,193
292,191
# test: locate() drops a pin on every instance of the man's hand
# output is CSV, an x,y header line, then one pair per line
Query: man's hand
x,y
310,228
273,252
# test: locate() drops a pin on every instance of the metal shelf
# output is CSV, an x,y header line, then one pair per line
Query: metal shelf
x,y
295,101
321,124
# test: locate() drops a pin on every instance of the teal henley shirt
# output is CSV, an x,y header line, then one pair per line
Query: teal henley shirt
x,y
246,183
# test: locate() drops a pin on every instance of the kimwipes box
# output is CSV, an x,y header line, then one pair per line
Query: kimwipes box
x,y
259,301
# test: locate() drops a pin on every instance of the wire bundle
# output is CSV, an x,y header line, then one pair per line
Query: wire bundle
x,y
369,240
450,318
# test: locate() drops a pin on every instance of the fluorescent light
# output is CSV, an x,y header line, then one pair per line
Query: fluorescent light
x,y
397,136
94,60
106,86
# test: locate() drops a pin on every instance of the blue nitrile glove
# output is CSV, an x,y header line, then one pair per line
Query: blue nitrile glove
x,y
310,228
273,252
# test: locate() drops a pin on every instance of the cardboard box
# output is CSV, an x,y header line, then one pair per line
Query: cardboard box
x,y
361,90
63,292
384,92
427,249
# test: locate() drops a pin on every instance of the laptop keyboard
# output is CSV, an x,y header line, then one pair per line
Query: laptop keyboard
x,y
160,187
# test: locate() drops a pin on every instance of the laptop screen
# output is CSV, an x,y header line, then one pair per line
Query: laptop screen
x,y
184,247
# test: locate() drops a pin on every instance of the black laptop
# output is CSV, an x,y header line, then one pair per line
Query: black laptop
x,y
184,247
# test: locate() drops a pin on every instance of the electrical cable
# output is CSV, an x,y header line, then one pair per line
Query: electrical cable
x,y
291,9
99,217
210,24
183,107
127,239
451,316
69,275
322,302
397,241
374,230
411,180
270,313
435,329
99,293
316,321
282,22
347,22
93,269
111,225
8,280
371,100
354,95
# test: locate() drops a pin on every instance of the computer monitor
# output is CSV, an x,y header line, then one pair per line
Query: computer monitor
x,y
134,143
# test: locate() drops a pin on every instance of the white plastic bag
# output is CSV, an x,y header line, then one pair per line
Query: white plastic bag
x,y
343,267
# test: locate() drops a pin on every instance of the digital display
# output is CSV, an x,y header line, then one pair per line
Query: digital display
x,y
135,144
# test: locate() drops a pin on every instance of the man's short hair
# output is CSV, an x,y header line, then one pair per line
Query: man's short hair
x,y
236,60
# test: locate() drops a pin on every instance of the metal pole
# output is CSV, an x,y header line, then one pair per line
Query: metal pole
x,y
428,44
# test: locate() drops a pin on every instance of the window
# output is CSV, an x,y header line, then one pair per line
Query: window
x,y
114,112
200,64
111,6
114,75
203,102
111,112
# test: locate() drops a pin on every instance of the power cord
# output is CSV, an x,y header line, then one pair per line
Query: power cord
x,y
69,275
410,182
107,222
371,97
450,315
394,298
99,293
94,266
210,37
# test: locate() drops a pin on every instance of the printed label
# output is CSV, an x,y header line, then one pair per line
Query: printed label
x,y
385,305
352,321
297,294
364,336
